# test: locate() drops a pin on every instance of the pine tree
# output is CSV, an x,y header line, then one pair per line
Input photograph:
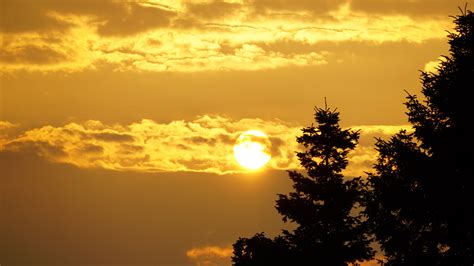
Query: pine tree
x,y
329,231
260,250
420,206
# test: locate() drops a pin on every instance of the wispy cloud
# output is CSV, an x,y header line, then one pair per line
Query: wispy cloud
x,y
5,125
5,129
201,145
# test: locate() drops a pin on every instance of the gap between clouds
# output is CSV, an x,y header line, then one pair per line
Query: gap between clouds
x,y
201,145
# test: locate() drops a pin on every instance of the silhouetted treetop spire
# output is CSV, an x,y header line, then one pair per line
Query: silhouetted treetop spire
x,y
321,205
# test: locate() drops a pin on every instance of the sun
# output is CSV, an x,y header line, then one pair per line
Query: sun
x,y
252,149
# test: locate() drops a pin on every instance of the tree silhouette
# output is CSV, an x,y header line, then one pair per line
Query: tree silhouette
x,y
420,205
260,250
329,231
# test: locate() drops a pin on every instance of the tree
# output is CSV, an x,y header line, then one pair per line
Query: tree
x,y
329,231
420,205
260,250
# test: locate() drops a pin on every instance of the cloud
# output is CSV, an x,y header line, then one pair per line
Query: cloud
x,y
28,16
201,145
316,7
380,129
112,137
213,9
48,52
31,54
413,8
6,125
135,18
5,130
364,155
191,36
210,255
432,66
111,17
408,7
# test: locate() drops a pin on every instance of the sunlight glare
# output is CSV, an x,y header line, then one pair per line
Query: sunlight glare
x,y
251,149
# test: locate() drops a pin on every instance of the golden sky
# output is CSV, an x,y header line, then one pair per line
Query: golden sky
x,y
118,118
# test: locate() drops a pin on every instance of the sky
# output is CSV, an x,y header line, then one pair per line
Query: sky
x,y
118,118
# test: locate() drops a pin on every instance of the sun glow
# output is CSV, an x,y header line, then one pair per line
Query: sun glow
x,y
252,149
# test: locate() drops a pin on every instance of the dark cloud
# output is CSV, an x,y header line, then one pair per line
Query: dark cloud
x,y
252,138
201,140
120,18
41,148
91,148
227,48
136,19
113,137
410,7
213,9
131,149
197,164
227,139
212,141
73,132
185,22
31,54
277,144
114,17
179,146
130,162
321,6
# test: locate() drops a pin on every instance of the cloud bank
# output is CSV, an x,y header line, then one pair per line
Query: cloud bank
x,y
201,145
205,35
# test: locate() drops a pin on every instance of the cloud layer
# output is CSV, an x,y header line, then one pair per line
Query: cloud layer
x,y
202,145
207,35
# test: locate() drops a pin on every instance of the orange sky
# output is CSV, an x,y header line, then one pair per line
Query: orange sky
x,y
118,118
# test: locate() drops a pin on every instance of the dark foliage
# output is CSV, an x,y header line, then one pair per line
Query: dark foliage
x,y
420,205
260,250
329,230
